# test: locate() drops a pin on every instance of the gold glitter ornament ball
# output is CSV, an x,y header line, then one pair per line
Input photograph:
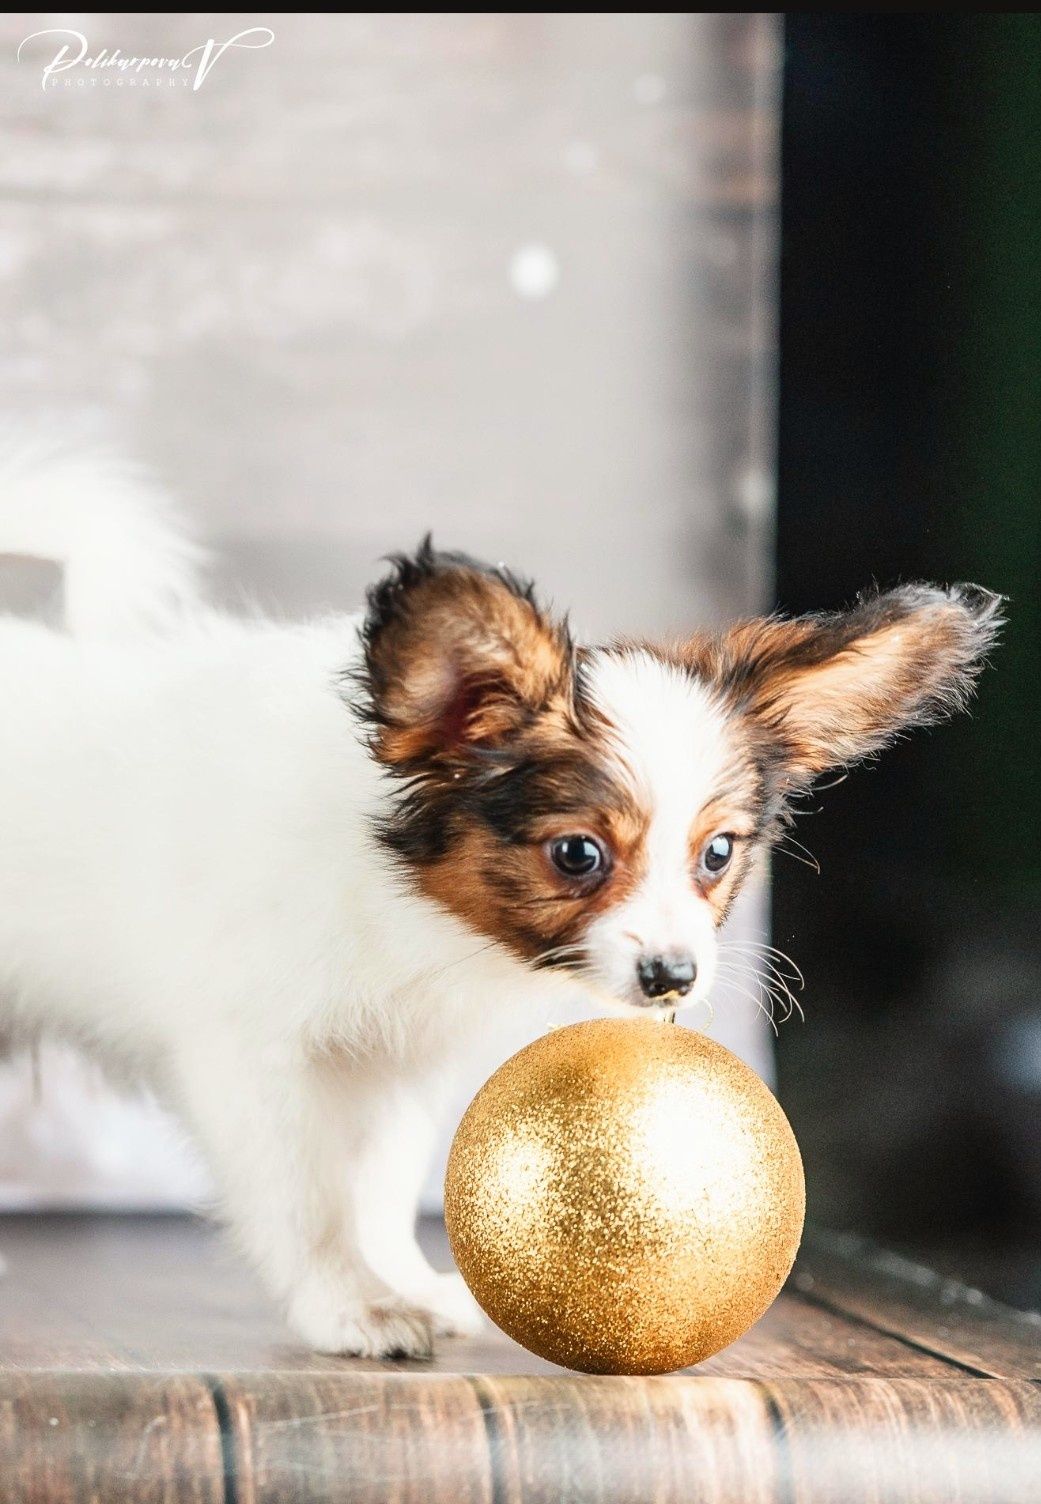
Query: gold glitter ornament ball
x,y
624,1196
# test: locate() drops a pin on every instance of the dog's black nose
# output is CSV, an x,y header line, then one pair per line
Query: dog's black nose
x,y
666,976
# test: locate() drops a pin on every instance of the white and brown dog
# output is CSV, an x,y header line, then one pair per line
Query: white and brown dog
x,y
280,872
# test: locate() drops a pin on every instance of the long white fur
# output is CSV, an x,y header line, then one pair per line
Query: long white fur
x,y
189,887
672,742
129,559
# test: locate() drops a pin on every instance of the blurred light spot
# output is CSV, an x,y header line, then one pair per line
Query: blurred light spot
x,y
754,494
649,88
581,157
534,271
1018,1054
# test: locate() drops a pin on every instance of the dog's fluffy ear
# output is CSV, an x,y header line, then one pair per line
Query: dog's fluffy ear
x,y
831,689
458,656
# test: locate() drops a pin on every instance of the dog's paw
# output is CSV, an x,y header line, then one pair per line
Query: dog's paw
x,y
453,1310
385,1328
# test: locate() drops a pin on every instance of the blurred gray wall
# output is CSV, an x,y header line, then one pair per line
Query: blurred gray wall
x,y
505,276
508,277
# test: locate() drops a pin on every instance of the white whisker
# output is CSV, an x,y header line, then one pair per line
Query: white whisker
x,y
768,952
767,976
730,980
789,846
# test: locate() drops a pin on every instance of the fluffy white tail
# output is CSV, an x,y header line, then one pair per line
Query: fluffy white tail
x,y
129,563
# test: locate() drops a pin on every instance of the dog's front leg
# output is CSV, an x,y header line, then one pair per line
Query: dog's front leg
x,y
280,1143
387,1178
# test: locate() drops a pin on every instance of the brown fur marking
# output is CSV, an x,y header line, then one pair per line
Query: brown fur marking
x,y
473,700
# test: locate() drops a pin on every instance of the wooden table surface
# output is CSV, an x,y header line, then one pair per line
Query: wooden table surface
x,y
138,1361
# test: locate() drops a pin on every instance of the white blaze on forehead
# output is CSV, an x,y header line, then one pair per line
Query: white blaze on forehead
x,y
669,743
671,740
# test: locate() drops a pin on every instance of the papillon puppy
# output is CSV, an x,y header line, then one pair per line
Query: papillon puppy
x,y
280,873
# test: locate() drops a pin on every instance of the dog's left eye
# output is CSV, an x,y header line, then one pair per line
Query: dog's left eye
x,y
717,854
577,856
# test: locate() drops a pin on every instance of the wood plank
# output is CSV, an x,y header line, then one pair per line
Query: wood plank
x,y
906,1441
406,1438
392,1438
796,1339
73,1438
939,1315
526,1440
163,1294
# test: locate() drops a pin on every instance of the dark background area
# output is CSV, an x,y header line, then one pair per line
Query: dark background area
x,y
910,447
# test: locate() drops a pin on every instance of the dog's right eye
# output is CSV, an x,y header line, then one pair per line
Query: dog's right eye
x,y
577,856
